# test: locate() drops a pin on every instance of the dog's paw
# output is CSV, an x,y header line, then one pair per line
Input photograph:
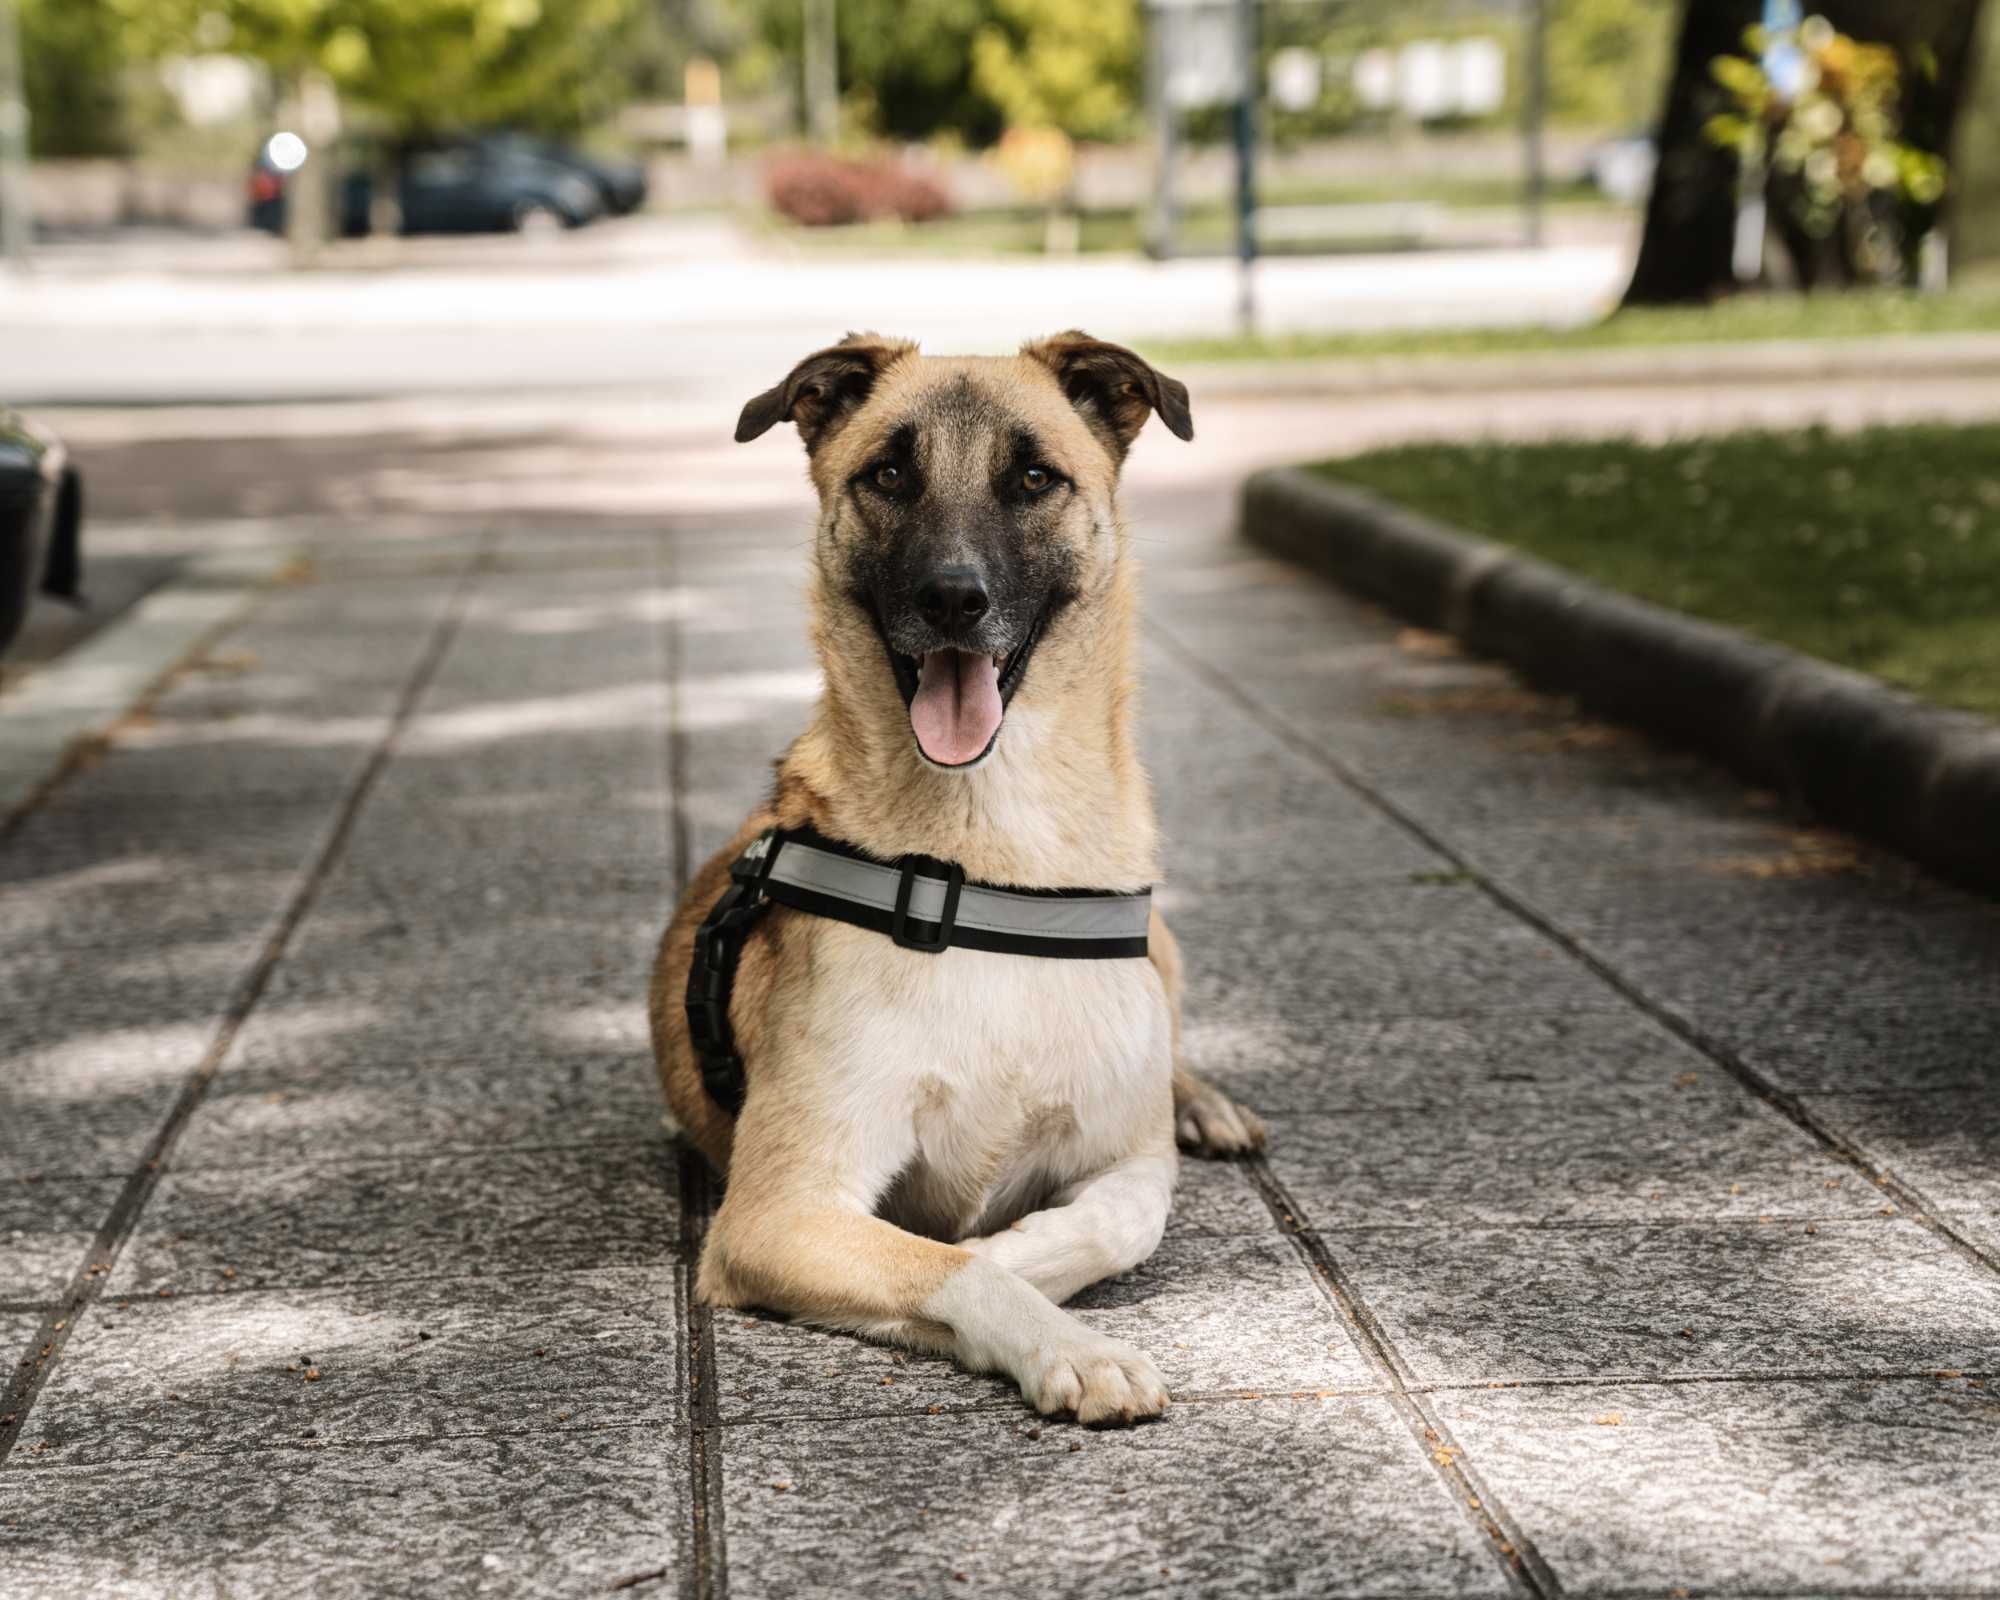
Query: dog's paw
x,y
1098,1381
1208,1123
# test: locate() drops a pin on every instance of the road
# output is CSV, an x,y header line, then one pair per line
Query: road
x,y
672,308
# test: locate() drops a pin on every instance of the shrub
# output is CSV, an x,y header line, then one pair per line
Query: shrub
x,y
819,190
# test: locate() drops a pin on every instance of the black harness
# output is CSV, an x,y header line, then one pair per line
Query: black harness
x,y
921,903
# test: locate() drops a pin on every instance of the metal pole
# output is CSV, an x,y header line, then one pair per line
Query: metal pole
x,y
1245,127
822,71
14,199
1534,112
1165,129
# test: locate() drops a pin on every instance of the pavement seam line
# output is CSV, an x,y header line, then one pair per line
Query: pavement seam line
x,y
1909,1202
1519,1559
705,1575
116,1230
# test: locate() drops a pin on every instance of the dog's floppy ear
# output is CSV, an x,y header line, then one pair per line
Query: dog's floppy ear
x,y
824,389
1113,387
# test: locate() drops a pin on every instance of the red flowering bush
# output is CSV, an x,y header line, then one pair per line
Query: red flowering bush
x,y
819,190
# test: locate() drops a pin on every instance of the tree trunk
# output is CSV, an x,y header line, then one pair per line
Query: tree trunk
x,y
1684,253
1685,250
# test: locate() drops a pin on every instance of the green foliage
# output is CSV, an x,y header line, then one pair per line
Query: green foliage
x,y
1608,60
1831,148
418,64
73,64
1056,64
1879,551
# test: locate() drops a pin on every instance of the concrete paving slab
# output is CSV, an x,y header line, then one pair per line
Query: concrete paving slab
x,y
1237,1315
93,685
1210,1500
1638,1156
214,1374
371,1090
1594,1303
1285,1062
46,1229
511,1214
1893,1049
1747,1488
563,1514
1216,1199
1414,949
1944,1144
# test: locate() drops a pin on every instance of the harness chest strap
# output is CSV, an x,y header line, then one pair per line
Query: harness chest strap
x,y
920,903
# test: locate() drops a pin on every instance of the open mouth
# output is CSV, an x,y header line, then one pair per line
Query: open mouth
x,y
957,699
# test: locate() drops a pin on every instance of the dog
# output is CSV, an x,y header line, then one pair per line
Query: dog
x,y
938,1147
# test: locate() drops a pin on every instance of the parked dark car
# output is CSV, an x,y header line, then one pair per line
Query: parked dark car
x,y
41,521
620,183
446,186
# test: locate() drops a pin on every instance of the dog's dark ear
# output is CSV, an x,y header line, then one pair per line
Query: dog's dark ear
x,y
823,390
1113,387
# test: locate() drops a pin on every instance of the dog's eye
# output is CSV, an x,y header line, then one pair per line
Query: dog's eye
x,y
1036,479
888,478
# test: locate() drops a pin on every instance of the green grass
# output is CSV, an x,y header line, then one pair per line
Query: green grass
x,y
1879,551
1203,226
1971,306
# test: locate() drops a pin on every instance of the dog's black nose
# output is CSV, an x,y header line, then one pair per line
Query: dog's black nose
x,y
952,597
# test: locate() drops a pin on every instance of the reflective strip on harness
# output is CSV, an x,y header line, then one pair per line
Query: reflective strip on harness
x,y
1003,911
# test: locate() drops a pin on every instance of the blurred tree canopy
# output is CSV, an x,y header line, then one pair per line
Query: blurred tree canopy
x,y
1056,64
418,64
73,67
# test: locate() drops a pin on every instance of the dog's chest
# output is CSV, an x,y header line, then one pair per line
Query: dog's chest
x,y
1004,1077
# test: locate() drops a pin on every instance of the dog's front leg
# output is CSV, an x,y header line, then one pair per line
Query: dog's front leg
x,y
1105,1224
796,1237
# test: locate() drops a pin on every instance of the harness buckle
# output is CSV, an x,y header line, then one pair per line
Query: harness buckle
x,y
899,929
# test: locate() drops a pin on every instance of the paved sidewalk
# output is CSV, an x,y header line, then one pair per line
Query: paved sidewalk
x,y
1631,1223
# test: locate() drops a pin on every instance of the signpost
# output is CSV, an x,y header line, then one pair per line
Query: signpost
x,y
1204,53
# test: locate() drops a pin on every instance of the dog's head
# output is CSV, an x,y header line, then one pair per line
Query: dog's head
x,y
967,516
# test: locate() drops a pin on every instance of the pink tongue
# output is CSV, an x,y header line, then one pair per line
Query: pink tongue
x,y
956,710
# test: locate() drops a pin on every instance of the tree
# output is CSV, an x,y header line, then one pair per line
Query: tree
x,y
73,66
1686,249
419,65
1055,64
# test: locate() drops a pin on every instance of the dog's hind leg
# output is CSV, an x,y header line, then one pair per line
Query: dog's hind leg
x,y
1206,1121
1106,1224
794,1235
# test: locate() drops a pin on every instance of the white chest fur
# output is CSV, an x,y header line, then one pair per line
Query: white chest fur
x,y
976,1084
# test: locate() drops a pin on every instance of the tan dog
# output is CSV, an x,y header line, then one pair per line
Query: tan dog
x,y
939,1149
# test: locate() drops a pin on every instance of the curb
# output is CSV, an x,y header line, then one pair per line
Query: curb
x,y
1873,358
84,691
1919,778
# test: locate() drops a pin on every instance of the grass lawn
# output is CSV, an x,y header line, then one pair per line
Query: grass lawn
x,y
1204,225
1879,551
1973,305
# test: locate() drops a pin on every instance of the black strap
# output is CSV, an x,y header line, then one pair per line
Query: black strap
x,y
718,947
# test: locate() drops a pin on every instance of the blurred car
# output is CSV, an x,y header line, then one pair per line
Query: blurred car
x,y
41,521
471,185
620,183
1622,168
